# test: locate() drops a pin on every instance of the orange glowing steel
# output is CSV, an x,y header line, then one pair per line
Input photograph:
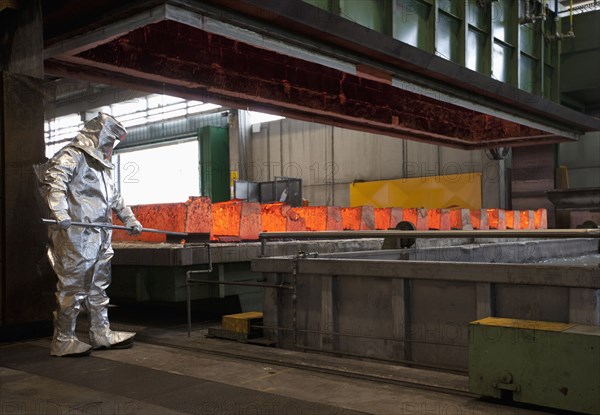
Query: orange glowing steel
x,y
524,217
315,217
493,218
273,219
410,215
497,218
476,219
351,218
434,219
165,216
455,219
237,220
541,219
382,218
226,218
510,219
198,215
294,222
358,218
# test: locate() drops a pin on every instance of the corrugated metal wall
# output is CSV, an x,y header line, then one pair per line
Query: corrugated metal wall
x,y
170,130
329,159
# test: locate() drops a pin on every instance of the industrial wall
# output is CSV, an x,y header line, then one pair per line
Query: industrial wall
x,y
329,159
582,160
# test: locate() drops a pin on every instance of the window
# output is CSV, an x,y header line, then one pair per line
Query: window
x,y
410,23
159,175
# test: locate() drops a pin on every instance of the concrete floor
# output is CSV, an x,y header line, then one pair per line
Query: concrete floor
x,y
167,372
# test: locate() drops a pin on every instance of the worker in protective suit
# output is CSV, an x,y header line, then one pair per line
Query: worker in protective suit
x,y
78,186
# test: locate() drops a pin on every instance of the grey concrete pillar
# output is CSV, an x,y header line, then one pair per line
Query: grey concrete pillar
x,y
271,308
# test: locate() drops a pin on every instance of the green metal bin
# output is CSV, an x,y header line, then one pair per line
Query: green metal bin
x,y
555,365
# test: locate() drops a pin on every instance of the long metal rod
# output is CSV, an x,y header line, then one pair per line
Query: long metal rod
x,y
525,233
110,226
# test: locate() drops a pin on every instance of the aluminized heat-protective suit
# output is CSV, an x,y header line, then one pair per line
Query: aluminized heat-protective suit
x,y
78,186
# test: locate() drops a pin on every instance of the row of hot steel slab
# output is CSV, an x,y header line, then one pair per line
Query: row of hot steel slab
x,y
239,220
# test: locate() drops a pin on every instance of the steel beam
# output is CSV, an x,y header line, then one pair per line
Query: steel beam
x,y
526,274
200,50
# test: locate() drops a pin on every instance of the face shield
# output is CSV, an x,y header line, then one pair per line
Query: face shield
x,y
107,147
111,134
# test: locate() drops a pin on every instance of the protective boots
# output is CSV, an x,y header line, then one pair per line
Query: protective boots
x,y
105,338
64,341
101,336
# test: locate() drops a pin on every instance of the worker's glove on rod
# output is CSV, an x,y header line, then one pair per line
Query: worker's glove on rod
x,y
63,220
135,226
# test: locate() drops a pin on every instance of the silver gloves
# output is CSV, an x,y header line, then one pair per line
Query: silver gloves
x,y
62,219
135,226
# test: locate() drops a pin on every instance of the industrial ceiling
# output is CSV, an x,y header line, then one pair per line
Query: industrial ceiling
x,y
293,59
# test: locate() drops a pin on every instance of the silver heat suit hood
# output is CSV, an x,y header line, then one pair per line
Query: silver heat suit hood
x,y
77,184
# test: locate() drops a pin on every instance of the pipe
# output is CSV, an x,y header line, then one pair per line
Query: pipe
x,y
188,286
556,20
543,10
247,284
543,58
525,233
571,31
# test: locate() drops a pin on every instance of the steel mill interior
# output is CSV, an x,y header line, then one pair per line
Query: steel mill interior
x,y
346,207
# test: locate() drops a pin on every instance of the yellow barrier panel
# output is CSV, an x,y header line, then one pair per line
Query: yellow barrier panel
x,y
451,191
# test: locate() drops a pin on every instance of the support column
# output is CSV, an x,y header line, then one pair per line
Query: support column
x,y
27,283
400,320
327,323
240,151
271,310
484,300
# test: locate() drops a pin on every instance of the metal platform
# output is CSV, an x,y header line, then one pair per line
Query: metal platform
x,y
414,305
157,272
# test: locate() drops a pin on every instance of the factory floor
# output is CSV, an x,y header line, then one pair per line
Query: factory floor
x,y
167,372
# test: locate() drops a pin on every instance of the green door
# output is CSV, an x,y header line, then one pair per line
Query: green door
x,y
214,163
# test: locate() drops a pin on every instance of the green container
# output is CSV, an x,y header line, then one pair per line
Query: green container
x,y
555,365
